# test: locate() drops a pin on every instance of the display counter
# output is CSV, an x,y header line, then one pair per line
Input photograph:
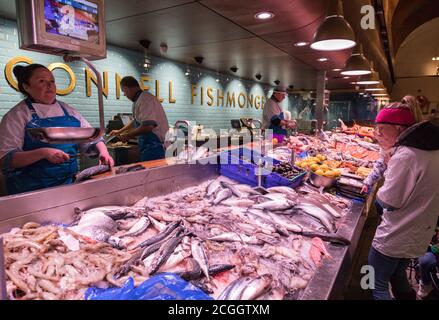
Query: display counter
x,y
163,177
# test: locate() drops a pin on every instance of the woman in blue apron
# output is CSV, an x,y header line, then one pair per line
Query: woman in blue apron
x,y
150,123
30,164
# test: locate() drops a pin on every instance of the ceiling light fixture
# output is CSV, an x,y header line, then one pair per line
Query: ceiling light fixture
x,y
147,61
346,77
368,79
335,33
357,64
336,70
301,44
199,59
322,59
264,15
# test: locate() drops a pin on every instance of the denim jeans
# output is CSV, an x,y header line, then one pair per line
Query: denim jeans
x,y
426,264
393,271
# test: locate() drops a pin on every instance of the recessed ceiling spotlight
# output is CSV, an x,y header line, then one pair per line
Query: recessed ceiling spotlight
x,y
322,59
264,15
346,77
336,70
301,44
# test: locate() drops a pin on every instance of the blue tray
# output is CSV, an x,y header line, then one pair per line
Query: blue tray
x,y
233,166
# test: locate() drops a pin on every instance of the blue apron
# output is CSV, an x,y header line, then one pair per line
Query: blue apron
x,y
278,129
150,146
44,174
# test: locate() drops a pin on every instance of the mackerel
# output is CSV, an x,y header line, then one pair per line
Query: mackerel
x,y
165,251
199,254
169,228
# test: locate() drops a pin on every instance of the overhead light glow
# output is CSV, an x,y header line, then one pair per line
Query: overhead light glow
x,y
336,70
264,15
301,44
322,59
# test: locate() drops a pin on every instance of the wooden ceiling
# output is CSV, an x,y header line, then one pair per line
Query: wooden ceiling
x,y
226,33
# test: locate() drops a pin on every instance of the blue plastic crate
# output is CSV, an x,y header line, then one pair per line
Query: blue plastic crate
x,y
234,167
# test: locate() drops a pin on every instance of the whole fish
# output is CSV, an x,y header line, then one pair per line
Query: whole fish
x,y
233,236
290,193
212,188
96,225
165,251
157,225
323,204
222,195
169,228
89,172
234,290
194,271
236,191
114,212
265,226
285,222
246,189
199,254
318,213
244,203
218,268
138,228
126,267
256,287
278,227
275,205
305,221
331,237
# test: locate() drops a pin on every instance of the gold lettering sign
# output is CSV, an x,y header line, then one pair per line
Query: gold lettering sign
x,y
241,105
143,79
202,96
220,96
157,91
209,94
8,70
66,68
230,99
117,79
193,92
263,102
171,98
250,101
257,102
90,77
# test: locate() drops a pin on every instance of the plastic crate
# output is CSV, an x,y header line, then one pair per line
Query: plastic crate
x,y
234,167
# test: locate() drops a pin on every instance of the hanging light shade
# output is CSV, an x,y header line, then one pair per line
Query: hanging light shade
x,y
370,79
357,64
378,88
335,33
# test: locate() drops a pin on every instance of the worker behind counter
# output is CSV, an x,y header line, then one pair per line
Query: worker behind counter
x,y
150,123
30,164
273,115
